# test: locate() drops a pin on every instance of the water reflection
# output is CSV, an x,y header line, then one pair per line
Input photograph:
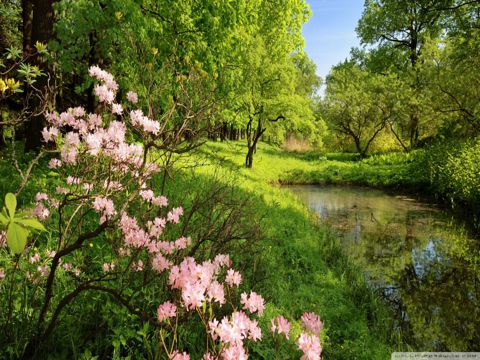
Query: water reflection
x,y
415,256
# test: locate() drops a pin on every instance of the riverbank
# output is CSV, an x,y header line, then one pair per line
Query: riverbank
x,y
304,263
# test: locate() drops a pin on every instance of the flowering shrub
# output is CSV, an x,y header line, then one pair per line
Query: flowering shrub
x,y
110,232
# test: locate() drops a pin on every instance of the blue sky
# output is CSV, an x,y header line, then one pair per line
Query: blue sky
x,y
330,32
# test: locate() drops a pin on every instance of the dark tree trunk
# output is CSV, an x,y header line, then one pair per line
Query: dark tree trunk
x,y
42,31
27,14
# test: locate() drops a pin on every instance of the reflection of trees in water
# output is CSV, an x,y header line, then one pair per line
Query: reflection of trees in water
x,y
426,270
432,292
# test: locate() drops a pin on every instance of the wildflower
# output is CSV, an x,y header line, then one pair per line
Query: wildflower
x,y
311,322
253,303
50,134
160,263
41,212
280,325
160,201
104,206
2,274
41,197
117,109
310,345
180,356
216,292
132,97
107,267
174,215
35,258
233,278
104,93
51,253
54,163
166,310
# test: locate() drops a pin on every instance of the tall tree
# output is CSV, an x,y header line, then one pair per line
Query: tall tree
x,y
360,104
403,27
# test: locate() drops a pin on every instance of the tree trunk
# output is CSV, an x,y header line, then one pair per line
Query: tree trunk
x,y
42,31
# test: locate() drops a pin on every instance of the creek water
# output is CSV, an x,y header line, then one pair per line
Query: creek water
x,y
416,256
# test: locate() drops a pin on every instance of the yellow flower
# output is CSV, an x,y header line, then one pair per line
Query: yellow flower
x,y
40,47
3,86
118,15
12,84
154,51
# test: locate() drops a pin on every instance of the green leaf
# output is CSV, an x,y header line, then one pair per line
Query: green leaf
x,y
30,222
16,237
4,219
11,204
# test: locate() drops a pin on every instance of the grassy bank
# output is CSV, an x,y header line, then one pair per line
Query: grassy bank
x,y
297,263
302,266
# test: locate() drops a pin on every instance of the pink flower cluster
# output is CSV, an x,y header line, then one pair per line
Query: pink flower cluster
x,y
166,310
139,120
105,207
253,303
198,282
232,332
311,322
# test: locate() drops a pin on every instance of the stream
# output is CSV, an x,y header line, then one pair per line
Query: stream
x,y
416,256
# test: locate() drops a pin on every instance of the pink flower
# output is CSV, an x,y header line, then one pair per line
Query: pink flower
x,y
94,143
222,260
51,253
117,109
104,206
174,215
54,163
180,356
166,310
234,352
72,180
160,201
147,195
41,212
280,325
104,94
161,263
107,267
78,111
182,243
132,97
310,345
50,134
253,303
208,356
61,190
216,292
43,270
311,322
41,197
233,278
139,120
94,120
35,258
254,331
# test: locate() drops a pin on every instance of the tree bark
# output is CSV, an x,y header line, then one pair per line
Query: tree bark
x,y
42,31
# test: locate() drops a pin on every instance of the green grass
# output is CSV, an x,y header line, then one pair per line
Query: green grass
x,y
302,267
298,264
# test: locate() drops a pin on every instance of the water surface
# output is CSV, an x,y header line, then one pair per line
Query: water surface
x,y
415,255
